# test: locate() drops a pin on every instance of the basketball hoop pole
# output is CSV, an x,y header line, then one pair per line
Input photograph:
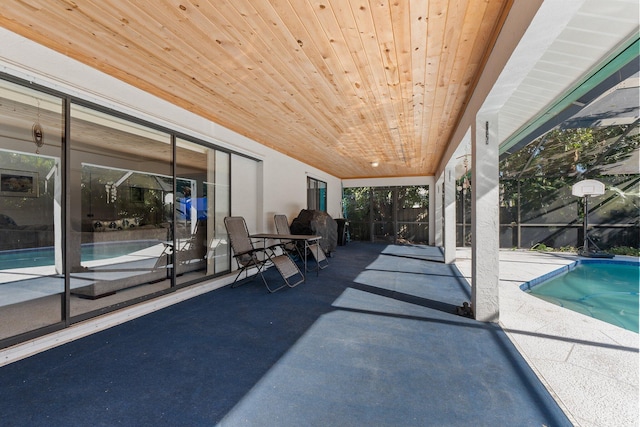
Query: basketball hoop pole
x,y
585,246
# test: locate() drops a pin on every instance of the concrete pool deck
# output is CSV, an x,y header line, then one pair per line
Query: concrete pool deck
x,y
589,366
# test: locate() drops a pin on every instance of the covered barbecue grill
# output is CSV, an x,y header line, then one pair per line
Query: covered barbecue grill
x,y
317,223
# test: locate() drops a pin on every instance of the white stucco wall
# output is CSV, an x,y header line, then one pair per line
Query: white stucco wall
x,y
283,179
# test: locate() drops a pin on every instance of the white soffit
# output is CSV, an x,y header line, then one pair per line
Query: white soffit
x,y
566,40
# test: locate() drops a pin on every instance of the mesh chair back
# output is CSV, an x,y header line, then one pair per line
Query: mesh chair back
x,y
239,237
282,224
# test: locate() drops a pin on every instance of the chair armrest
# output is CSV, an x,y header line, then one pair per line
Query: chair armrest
x,y
249,252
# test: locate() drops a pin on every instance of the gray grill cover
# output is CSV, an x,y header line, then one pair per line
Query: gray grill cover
x,y
317,223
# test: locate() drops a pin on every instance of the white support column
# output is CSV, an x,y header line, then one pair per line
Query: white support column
x,y
433,212
485,218
450,214
437,211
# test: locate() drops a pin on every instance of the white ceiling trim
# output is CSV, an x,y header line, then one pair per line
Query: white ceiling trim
x,y
565,41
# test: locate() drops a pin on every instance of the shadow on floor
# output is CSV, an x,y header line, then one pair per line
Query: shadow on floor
x,y
371,340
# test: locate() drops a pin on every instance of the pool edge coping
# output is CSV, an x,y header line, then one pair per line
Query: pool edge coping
x,y
527,286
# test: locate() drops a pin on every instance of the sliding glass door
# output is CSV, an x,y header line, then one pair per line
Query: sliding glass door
x,y
201,203
121,191
99,211
31,256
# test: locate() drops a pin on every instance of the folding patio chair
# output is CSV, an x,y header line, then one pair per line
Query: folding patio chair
x,y
190,251
248,256
282,227
318,254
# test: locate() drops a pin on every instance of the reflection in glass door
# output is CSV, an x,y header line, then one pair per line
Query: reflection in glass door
x,y
121,229
31,264
201,203
114,227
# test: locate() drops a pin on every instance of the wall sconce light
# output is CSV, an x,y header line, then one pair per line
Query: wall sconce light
x,y
374,164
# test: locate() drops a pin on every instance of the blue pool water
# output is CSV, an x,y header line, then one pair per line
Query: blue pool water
x,y
38,257
605,290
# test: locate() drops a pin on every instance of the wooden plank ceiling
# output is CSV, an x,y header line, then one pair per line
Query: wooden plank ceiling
x,y
337,84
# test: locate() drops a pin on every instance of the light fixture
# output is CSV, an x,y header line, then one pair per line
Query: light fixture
x,y
374,164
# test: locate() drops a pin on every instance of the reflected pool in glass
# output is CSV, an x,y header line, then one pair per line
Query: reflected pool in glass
x,y
38,257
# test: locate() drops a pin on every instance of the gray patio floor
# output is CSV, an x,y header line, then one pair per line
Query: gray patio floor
x,y
371,340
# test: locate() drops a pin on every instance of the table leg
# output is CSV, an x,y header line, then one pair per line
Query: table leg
x,y
306,248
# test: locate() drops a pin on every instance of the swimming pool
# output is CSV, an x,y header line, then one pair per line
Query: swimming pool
x,y
603,289
38,257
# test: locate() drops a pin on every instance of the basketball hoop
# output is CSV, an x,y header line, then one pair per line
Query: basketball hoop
x,y
586,188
